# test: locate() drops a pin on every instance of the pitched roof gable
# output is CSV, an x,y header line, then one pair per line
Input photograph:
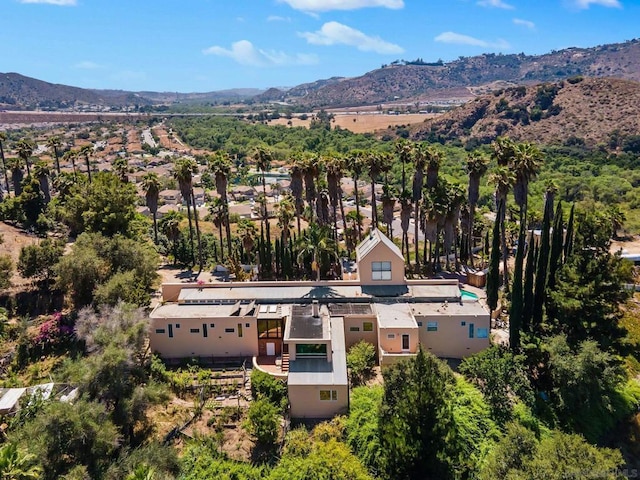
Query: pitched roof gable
x,y
374,238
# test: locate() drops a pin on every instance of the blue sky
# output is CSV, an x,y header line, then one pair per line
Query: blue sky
x,y
204,45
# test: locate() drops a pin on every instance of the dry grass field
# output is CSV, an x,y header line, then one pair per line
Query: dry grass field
x,y
363,123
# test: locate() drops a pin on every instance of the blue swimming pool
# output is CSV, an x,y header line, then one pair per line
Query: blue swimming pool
x,y
466,294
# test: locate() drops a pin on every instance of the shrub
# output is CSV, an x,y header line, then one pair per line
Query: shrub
x,y
267,386
360,360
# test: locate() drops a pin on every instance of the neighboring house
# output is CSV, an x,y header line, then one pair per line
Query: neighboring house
x,y
241,193
308,326
164,209
171,197
198,195
243,210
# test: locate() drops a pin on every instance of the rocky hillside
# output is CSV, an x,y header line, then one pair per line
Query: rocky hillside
x,y
461,78
581,111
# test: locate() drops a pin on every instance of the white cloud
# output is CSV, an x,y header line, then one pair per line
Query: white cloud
x,y
584,4
88,65
459,39
524,23
495,4
276,18
244,53
61,3
327,5
334,33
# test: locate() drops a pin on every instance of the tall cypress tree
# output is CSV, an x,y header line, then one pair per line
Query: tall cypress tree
x,y
527,312
493,275
555,257
568,240
517,298
543,264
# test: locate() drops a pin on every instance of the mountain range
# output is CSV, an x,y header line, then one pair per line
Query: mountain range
x,y
399,81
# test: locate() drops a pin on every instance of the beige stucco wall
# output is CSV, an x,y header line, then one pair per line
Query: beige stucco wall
x,y
217,343
393,358
356,321
305,401
452,338
380,253
394,345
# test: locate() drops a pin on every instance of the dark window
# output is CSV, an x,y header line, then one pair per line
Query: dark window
x,y
177,325
311,349
194,330
419,324
205,333
229,330
367,326
212,325
354,329
471,330
239,330
463,324
159,330
247,325
269,328
170,331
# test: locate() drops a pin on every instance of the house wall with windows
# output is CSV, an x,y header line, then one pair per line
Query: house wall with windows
x,y
357,328
318,401
453,330
380,261
181,331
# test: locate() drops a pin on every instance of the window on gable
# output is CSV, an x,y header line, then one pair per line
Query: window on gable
x,y
381,270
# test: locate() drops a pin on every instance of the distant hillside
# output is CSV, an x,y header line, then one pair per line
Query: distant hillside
x,y
457,79
20,92
576,111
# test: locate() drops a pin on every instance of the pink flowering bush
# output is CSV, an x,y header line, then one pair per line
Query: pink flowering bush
x,y
53,333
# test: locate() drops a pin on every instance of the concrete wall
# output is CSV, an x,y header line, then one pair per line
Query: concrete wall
x,y
381,253
218,343
394,345
452,338
353,337
305,401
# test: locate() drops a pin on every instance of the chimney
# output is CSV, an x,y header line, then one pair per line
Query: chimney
x,y
315,309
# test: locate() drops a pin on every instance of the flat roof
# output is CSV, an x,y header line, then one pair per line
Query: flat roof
x,y
306,293
317,371
176,310
303,325
447,309
397,315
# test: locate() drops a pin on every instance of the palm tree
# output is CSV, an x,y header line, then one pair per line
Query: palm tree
x,y
247,232
217,212
3,138
41,172
477,165
220,164
151,188
286,209
184,169
455,200
263,158
335,169
419,163
502,178
54,143
17,464
526,164
404,149
388,205
296,188
170,227
310,172
316,243
355,163
85,151
503,151
322,208
15,165
406,207
24,148
71,156
434,158
120,167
